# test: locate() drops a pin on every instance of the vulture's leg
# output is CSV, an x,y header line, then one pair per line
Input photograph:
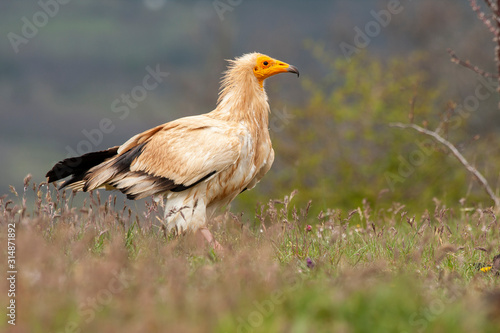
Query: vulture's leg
x,y
210,239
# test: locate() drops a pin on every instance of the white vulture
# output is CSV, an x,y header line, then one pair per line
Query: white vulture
x,y
198,163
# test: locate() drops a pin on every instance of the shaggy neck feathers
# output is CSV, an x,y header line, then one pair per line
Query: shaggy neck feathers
x,y
242,97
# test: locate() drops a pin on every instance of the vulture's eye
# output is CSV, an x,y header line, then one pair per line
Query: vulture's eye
x,y
266,63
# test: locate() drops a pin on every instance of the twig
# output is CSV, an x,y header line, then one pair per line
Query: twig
x,y
411,115
482,16
482,181
493,28
468,65
496,15
490,4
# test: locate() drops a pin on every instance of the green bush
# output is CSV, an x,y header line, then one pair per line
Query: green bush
x,y
339,148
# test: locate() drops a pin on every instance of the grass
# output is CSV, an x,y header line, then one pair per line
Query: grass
x,y
101,268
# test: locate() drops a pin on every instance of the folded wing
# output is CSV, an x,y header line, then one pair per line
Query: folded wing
x,y
171,157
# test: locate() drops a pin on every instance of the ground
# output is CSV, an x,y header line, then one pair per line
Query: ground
x,y
98,268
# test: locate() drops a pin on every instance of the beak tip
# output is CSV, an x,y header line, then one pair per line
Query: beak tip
x,y
293,69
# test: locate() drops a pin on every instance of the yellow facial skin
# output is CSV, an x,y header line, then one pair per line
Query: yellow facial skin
x,y
266,66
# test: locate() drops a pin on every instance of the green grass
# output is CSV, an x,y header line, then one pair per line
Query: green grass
x,y
99,268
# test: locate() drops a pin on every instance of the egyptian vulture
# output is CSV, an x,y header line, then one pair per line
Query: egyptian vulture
x,y
198,163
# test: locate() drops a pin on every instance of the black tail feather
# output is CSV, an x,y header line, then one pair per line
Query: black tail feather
x,y
77,167
119,172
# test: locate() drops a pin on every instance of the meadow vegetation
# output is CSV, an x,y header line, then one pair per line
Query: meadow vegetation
x,y
99,267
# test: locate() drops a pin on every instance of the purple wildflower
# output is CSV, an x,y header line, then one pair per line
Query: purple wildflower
x,y
310,263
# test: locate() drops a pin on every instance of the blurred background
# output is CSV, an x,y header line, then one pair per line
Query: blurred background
x,y
66,70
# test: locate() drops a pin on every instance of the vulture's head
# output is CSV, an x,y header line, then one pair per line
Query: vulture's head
x,y
259,65
265,66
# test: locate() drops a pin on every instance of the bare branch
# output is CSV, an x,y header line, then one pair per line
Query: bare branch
x,y
496,14
468,65
411,115
482,181
490,4
482,16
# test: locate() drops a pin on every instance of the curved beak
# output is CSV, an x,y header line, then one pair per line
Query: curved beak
x,y
293,69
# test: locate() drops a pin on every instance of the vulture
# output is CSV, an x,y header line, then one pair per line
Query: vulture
x,y
198,164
